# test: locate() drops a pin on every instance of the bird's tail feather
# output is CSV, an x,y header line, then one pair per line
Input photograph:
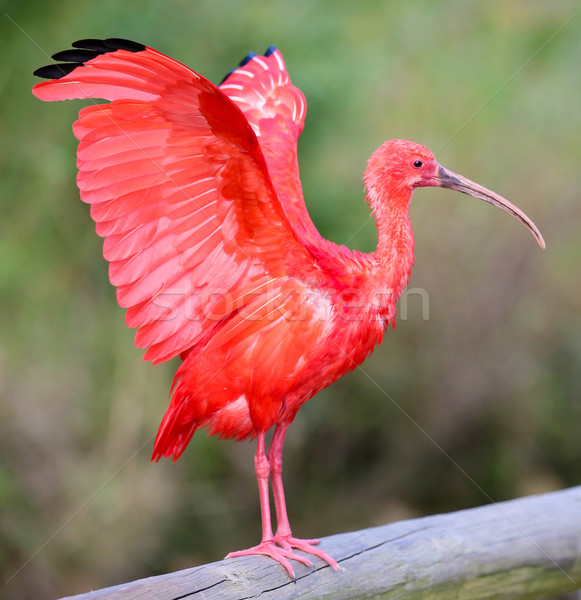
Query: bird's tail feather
x,y
173,435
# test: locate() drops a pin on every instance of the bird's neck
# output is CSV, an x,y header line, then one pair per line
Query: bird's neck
x,y
394,256
370,284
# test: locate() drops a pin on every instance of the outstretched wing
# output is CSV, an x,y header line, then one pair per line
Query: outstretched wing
x,y
179,188
276,110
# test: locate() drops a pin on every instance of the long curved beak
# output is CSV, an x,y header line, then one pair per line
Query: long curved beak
x,y
448,179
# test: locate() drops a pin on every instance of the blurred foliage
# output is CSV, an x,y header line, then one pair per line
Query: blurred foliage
x,y
479,402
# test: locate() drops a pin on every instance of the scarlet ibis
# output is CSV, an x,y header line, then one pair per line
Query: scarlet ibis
x,y
196,190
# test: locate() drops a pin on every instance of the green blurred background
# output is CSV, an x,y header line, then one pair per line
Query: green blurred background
x,y
478,402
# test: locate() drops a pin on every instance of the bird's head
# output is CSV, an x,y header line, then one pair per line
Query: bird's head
x,y
401,166
397,167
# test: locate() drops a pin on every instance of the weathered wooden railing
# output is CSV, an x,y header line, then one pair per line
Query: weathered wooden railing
x,y
525,548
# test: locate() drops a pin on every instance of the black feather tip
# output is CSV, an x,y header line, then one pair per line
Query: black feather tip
x,y
83,51
247,59
270,50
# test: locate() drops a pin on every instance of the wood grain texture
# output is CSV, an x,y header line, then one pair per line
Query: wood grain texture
x,y
525,548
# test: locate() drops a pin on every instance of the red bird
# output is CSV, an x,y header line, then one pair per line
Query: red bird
x,y
196,190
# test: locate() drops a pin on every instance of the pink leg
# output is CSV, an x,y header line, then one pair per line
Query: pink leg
x,y
283,535
268,546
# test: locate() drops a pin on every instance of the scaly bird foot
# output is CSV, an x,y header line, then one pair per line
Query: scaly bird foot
x,y
284,551
281,555
288,542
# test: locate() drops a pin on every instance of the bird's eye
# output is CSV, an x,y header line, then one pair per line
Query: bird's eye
x,y
417,164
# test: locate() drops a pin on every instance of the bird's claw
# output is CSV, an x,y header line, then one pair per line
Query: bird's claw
x,y
281,555
281,549
288,542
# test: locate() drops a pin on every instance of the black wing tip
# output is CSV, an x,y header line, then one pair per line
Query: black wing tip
x,y
83,51
56,71
123,44
269,51
108,45
247,59
75,55
90,44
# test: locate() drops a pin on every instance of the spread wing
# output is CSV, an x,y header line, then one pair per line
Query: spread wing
x,y
276,110
180,188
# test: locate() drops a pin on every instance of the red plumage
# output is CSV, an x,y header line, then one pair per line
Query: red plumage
x,y
196,190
